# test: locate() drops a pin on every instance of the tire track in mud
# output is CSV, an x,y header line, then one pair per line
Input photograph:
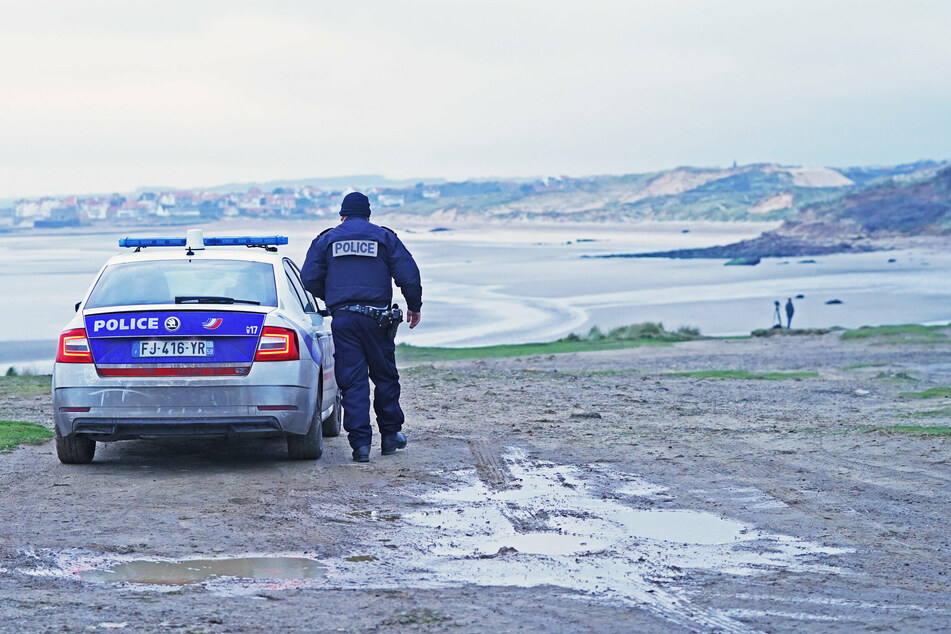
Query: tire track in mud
x,y
895,478
495,474
815,496
491,466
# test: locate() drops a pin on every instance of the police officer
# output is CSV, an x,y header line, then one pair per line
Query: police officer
x,y
350,267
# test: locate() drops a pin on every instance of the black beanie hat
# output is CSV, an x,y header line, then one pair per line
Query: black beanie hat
x,y
355,204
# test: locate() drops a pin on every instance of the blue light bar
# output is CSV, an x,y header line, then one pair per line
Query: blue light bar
x,y
246,241
208,242
151,242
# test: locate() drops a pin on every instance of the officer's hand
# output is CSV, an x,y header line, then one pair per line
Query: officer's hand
x,y
412,318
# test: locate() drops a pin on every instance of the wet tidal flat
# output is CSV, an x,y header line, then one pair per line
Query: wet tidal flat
x,y
583,492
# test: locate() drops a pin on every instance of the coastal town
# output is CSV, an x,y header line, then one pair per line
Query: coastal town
x,y
161,207
174,206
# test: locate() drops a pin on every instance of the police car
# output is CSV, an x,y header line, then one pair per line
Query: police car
x,y
196,336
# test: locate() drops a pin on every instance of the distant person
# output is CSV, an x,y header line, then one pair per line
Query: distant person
x,y
790,309
352,267
777,317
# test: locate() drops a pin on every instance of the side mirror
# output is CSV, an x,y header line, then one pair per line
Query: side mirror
x,y
76,307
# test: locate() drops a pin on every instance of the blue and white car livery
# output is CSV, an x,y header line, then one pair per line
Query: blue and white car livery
x,y
196,336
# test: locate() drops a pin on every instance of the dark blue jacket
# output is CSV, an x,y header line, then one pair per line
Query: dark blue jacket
x,y
354,263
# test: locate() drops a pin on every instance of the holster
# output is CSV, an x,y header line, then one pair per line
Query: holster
x,y
391,320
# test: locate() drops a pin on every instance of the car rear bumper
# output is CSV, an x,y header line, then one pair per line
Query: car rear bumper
x,y
107,429
110,409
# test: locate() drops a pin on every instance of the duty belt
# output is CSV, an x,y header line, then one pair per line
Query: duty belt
x,y
386,318
369,311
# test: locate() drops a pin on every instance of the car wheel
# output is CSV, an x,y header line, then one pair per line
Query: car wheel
x,y
74,449
309,446
333,422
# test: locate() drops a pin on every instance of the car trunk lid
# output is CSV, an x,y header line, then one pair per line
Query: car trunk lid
x,y
172,341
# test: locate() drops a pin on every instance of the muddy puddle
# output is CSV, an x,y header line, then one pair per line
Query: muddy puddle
x,y
603,534
191,571
226,576
581,529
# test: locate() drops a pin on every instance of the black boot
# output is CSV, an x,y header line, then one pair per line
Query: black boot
x,y
362,454
391,442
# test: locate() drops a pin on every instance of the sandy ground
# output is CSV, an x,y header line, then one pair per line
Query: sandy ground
x,y
581,492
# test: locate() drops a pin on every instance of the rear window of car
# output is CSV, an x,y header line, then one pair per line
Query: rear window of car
x,y
160,282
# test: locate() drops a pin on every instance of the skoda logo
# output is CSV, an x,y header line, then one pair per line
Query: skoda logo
x,y
172,324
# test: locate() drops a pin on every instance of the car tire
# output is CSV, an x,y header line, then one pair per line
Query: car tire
x,y
308,446
74,449
333,422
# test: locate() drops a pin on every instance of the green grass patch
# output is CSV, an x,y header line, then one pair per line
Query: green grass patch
x,y
745,374
917,430
905,333
859,366
13,433
645,334
413,354
941,412
26,385
931,392
646,331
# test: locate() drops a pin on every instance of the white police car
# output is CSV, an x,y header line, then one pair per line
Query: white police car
x,y
196,336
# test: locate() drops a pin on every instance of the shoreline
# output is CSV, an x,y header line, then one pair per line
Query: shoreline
x,y
773,245
769,242
407,222
409,355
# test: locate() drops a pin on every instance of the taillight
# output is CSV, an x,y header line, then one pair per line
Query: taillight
x,y
74,347
277,344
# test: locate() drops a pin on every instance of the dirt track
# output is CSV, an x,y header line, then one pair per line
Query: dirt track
x,y
585,492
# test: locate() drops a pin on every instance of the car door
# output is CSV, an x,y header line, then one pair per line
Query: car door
x,y
318,326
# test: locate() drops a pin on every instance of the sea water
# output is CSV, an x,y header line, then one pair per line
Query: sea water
x,y
498,284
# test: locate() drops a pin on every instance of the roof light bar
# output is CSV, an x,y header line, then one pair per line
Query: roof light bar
x,y
249,241
246,241
151,242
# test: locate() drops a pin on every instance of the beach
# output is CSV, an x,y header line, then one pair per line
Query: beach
x,y
517,282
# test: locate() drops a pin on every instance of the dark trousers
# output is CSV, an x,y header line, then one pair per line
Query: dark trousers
x,y
362,349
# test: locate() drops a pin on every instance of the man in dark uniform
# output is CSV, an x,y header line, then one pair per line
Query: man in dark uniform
x,y
790,309
351,267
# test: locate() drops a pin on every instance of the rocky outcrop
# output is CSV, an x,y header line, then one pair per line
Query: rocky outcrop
x,y
768,245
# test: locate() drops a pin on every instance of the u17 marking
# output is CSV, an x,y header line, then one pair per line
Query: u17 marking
x,y
252,330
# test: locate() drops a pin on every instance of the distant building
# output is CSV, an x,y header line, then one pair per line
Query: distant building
x,y
32,209
59,217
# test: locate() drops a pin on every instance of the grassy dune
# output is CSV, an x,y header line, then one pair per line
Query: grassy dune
x,y
645,334
905,333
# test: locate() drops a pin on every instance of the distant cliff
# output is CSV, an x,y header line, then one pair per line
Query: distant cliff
x,y
812,200
891,208
863,218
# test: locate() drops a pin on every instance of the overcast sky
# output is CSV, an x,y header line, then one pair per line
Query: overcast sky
x,y
109,95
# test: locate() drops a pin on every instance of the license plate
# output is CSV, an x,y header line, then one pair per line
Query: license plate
x,y
173,348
